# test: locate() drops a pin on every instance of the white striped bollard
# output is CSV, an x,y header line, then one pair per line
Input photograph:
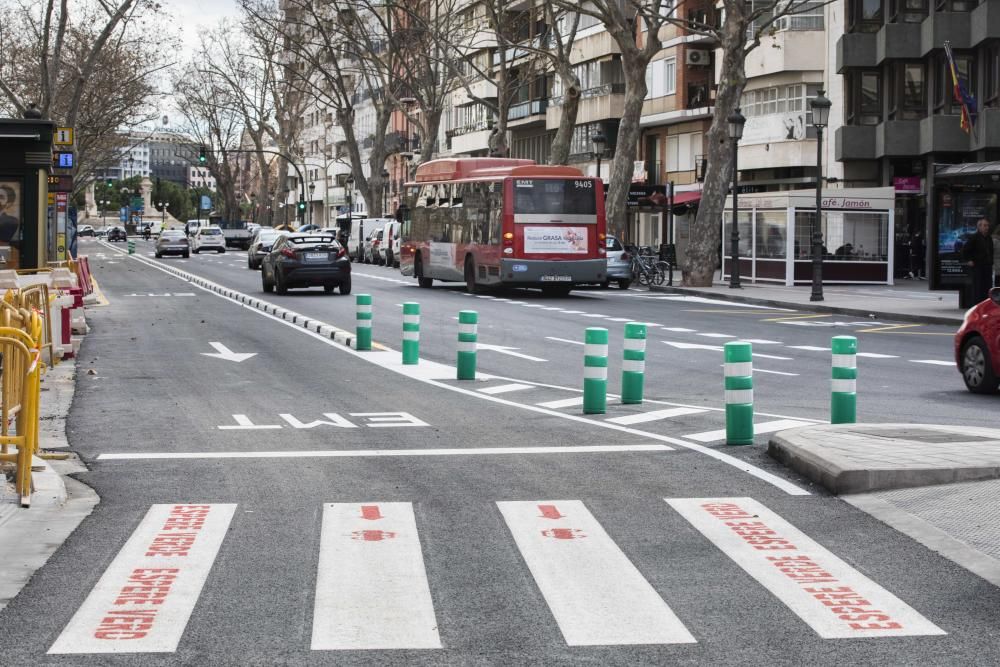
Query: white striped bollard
x,y
634,362
411,333
595,371
363,328
844,385
468,324
739,392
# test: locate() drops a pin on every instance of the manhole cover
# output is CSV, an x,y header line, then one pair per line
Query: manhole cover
x,y
924,435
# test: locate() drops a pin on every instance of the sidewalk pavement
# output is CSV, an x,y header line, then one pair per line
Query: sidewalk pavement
x,y
940,485
907,301
29,537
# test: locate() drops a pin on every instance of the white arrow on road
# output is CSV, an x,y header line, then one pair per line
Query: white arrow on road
x,y
223,352
509,351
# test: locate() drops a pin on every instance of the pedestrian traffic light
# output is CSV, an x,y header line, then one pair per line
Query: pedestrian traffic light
x,y
201,155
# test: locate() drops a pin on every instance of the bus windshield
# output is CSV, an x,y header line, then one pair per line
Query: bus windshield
x,y
548,196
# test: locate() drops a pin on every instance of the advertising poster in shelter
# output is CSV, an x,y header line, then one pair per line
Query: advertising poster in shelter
x,y
958,213
11,215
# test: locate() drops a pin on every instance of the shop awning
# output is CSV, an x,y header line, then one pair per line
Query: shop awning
x,y
660,199
969,169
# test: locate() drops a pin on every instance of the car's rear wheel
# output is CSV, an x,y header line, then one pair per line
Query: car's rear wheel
x,y
977,367
345,287
197,251
624,284
186,254
221,250
267,285
280,286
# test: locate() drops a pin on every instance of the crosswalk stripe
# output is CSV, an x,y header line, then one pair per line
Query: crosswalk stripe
x,y
371,586
829,595
562,403
654,415
504,388
593,590
143,601
758,429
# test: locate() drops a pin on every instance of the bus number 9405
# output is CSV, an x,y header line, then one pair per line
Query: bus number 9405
x,y
585,185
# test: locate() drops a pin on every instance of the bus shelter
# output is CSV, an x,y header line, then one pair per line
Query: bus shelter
x,y
776,236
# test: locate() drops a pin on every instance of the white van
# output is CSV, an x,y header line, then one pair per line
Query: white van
x,y
361,229
192,226
387,252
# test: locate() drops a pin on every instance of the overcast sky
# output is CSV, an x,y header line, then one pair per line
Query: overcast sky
x,y
192,15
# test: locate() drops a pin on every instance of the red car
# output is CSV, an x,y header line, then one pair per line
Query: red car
x,y
977,346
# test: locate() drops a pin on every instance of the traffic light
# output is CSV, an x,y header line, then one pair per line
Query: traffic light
x,y
201,155
109,182
302,205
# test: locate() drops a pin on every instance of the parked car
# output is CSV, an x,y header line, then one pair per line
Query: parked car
x,y
390,231
208,238
977,346
306,259
394,244
260,245
619,264
173,242
308,228
85,230
372,243
117,234
102,233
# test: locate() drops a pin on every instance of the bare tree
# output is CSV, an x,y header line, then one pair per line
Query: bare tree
x,y
561,48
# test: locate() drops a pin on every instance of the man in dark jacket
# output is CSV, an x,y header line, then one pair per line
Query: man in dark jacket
x,y
977,253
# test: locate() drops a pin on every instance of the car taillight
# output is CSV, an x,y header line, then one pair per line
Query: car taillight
x,y
184,241
626,257
288,252
342,253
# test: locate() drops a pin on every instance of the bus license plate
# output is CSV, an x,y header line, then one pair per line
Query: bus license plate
x,y
556,279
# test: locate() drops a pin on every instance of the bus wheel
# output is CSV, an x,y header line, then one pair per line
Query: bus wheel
x,y
418,271
470,277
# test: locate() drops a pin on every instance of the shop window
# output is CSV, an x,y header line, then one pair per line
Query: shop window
x,y
864,15
847,236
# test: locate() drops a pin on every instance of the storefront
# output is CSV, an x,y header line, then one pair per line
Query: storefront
x,y
776,236
31,231
963,193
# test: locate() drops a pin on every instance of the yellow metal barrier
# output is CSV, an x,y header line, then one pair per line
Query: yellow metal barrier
x,y
22,377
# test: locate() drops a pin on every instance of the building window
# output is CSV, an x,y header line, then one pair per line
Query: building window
x,y
864,15
991,76
907,11
944,87
807,15
956,5
864,98
661,78
906,83
682,149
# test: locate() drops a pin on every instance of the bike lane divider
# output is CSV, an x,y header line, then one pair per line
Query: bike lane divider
x,y
830,596
371,586
597,596
143,601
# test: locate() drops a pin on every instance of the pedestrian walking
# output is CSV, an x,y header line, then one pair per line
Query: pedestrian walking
x,y
918,256
977,253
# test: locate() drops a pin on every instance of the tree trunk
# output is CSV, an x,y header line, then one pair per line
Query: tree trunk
x,y
702,256
432,124
625,148
559,153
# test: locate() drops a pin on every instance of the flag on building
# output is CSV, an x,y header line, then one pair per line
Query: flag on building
x,y
961,93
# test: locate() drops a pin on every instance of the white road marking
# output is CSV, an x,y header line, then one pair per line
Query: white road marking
x,y
143,601
654,415
727,304
243,423
565,340
371,584
504,388
678,329
374,453
932,362
762,370
758,429
510,351
562,403
573,312
224,353
761,341
830,596
593,590
874,355
692,346
809,348
715,335
771,356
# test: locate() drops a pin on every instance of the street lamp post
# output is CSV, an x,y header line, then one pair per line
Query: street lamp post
x,y
286,206
163,215
736,122
385,191
349,195
821,114
253,207
309,210
599,140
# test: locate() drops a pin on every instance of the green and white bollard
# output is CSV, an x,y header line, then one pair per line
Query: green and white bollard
x,y
468,335
131,247
595,371
739,393
411,333
363,328
844,387
634,363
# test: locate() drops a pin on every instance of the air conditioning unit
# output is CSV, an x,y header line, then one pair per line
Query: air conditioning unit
x,y
698,57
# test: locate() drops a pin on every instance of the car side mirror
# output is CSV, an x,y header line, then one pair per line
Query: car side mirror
x,y
995,295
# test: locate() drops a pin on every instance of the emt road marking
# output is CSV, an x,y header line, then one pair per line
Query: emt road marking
x,y
834,599
144,599
371,587
595,593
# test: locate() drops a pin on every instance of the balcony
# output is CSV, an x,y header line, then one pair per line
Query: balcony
x,y
470,141
985,21
987,133
525,112
855,142
600,103
482,89
897,138
786,51
856,49
943,134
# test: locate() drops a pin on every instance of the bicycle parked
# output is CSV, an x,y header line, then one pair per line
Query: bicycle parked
x,y
646,269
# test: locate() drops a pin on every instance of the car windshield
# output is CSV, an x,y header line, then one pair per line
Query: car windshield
x,y
211,232
267,237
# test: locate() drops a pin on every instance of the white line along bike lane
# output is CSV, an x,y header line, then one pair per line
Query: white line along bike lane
x,y
437,374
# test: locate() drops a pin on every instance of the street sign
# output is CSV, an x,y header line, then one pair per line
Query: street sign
x,y
60,183
63,136
62,160
206,203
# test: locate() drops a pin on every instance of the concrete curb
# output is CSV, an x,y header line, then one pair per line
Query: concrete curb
x,y
836,310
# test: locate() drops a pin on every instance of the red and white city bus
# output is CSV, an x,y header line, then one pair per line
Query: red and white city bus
x,y
492,221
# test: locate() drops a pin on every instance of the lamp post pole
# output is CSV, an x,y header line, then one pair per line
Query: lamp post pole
x,y
349,195
821,113
385,192
598,140
736,122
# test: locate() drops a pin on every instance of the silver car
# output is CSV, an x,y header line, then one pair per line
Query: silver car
x,y
172,242
619,264
260,245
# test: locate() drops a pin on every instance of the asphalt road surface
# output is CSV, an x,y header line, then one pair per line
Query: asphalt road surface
x,y
310,504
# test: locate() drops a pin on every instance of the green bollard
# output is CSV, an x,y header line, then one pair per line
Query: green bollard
x,y
634,363
468,326
363,327
411,333
131,247
844,387
739,392
595,371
